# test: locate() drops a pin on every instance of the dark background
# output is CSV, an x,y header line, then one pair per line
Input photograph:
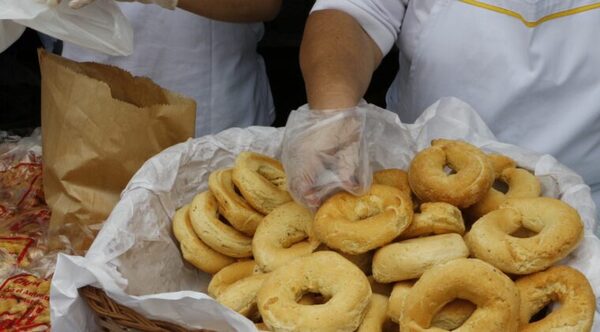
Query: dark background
x,y
20,77
20,85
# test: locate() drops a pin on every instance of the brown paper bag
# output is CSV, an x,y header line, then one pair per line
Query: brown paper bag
x,y
99,125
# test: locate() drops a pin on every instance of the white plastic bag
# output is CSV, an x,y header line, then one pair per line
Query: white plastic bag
x,y
137,262
101,26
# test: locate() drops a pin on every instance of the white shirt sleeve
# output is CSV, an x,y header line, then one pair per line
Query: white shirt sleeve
x,y
381,19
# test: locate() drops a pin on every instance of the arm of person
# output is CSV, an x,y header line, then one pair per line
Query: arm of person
x,y
337,58
233,10
344,42
238,11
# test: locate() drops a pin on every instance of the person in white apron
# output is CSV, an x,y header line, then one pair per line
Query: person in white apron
x,y
530,68
213,62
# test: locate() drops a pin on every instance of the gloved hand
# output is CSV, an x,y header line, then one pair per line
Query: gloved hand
x,y
76,4
325,152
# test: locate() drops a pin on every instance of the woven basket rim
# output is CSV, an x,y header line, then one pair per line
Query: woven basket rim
x,y
115,314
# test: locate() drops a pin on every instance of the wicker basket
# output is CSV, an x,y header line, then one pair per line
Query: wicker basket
x,y
114,317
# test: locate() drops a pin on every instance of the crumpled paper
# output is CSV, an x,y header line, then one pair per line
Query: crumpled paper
x,y
136,260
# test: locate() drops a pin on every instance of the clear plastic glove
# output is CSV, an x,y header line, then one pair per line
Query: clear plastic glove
x,y
325,152
76,4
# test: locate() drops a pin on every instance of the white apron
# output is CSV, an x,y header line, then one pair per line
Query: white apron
x,y
530,68
213,62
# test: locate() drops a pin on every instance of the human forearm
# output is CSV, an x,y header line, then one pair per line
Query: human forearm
x,y
337,59
233,10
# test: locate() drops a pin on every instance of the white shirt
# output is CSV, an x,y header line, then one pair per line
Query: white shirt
x,y
534,79
215,63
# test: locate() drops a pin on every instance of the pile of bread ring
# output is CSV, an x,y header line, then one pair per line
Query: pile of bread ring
x,y
440,247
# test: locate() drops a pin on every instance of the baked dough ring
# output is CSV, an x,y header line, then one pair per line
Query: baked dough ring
x,y
223,238
450,317
521,184
397,299
453,315
397,178
363,261
563,284
193,249
435,218
394,178
379,288
324,272
261,180
285,234
410,258
311,299
241,295
473,178
231,205
558,225
376,317
262,327
500,162
494,294
229,275
356,225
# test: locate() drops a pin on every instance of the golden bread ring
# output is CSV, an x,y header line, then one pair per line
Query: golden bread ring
x,y
193,249
397,298
494,294
322,272
262,327
221,237
473,178
261,180
450,317
394,178
311,299
362,261
376,317
435,218
453,315
500,163
356,225
229,275
408,259
521,184
284,234
241,295
558,226
231,205
559,283
379,288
